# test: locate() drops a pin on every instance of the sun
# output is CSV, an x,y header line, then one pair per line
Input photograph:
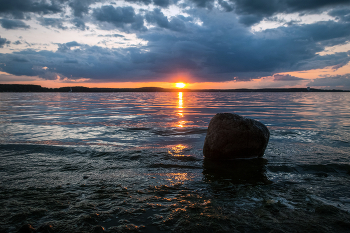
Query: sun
x,y
180,85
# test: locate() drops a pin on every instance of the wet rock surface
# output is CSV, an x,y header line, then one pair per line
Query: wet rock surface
x,y
231,136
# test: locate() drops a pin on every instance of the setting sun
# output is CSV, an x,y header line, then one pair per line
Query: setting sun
x,y
180,85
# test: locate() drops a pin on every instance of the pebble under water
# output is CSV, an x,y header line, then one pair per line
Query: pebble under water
x,y
133,162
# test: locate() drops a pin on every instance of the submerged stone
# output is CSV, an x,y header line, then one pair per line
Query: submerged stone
x,y
231,136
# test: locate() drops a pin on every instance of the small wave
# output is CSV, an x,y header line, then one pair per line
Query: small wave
x,y
162,165
316,169
180,131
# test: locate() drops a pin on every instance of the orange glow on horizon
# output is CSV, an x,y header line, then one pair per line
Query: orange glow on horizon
x,y
183,82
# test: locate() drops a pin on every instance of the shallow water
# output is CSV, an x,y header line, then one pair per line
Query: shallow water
x,y
134,162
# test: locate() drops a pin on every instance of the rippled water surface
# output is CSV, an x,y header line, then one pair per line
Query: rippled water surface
x,y
134,162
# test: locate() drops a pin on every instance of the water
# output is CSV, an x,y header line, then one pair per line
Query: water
x,y
133,162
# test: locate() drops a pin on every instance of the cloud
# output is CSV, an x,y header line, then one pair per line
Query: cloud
x,y
80,24
53,22
63,48
13,24
251,12
81,7
17,8
250,20
123,18
3,41
204,3
161,3
156,17
146,2
70,61
208,45
72,44
226,5
113,35
332,82
267,8
342,14
219,50
285,77
4,77
20,59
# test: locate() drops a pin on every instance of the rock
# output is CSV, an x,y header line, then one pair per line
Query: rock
x,y
231,136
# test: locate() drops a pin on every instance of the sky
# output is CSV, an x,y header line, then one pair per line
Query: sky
x,y
203,43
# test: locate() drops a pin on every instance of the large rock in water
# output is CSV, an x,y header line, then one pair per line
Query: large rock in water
x,y
231,136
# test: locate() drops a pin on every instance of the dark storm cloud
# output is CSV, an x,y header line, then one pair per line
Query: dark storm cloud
x,y
63,48
12,24
253,11
270,7
70,61
157,18
20,59
146,2
250,20
161,3
17,8
124,18
80,7
204,3
53,22
221,49
319,62
226,5
332,82
286,77
80,24
88,62
342,14
3,41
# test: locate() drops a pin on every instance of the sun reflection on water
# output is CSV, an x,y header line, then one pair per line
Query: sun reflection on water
x,y
180,176
180,111
178,150
180,104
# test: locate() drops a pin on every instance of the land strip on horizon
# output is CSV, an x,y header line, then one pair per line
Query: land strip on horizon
x,y
38,88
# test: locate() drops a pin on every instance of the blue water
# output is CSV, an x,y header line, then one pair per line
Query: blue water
x,y
133,159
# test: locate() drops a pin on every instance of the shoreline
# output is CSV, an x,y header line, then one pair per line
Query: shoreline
x,y
38,88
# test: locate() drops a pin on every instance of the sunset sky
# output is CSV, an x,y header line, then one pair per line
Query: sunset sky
x,y
203,43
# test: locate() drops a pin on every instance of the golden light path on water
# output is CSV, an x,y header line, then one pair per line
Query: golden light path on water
x,y
180,109
178,150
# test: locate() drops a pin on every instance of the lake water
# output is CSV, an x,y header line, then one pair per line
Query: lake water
x,y
133,162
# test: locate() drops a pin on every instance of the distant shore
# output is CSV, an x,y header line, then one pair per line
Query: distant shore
x,y
38,88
